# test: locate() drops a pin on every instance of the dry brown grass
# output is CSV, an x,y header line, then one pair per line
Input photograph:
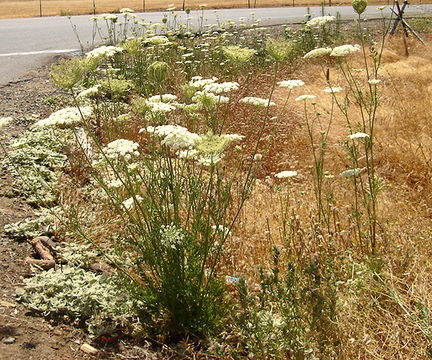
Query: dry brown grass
x,y
30,8
382,320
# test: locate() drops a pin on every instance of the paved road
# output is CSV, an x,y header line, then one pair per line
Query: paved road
x,y
27,43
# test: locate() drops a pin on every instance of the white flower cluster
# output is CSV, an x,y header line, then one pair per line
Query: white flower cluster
x,y
221,88
256,101
115,184
374,81
203,97
157,40
104,51
317,53
175,136
198,82
332,89
358,135
121,148
320,21
351,172
233,137
210,159
69,116
126,10
290,84
286,174
129,204
166,98
305,97
89,92
171,236
344,50
110,17
221,229
187,154
159,107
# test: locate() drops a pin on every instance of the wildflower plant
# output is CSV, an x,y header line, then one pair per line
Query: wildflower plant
x,y
160,174
360,144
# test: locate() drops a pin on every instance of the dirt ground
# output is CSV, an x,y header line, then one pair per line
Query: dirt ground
x,y
24,335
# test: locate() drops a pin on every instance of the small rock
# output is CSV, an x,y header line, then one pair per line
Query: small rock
x,y
8,340
88,349
6,304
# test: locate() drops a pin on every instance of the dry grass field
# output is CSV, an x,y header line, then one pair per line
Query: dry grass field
x,y
31,8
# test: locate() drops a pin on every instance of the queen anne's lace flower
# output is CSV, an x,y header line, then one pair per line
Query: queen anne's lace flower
x,y
320,21
205,98
220,88
111,17
256,101
198,82
286,174
171,236
333,89
115,184
290,84
351,172
344,50
162,98
210,159
69,116
187,154
104,51
374,81
157,40
175,136
305,97
121,148
130,203
317,53
358,135
89,92
159,107
221,229
238,53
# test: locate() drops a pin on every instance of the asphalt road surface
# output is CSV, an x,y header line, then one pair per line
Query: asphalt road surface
x,y
25,44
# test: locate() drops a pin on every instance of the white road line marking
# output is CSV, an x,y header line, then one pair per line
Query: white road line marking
x,y
40,52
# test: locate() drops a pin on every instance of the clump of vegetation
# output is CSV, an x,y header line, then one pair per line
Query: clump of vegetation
x,y
74,292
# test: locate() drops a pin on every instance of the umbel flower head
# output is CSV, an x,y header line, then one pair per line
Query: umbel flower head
x,y
211,144
317,53
320,21
237,53
117,87
256,101
158,72
344,50
359,6
290,84
66,117
286,174
67,73
280,50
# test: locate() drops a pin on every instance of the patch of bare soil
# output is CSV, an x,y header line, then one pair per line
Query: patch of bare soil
x,y
24,335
